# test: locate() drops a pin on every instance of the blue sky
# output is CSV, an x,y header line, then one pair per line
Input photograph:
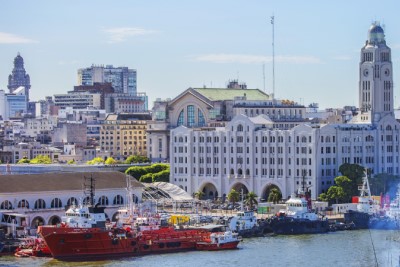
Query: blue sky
x,y
175,45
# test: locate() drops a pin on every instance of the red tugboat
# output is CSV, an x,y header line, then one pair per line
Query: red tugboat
x,y
86,236
92,243
219,241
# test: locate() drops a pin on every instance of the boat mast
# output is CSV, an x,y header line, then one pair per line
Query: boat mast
x,y
89,188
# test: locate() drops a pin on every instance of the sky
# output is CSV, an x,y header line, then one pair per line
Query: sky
x,y
175,45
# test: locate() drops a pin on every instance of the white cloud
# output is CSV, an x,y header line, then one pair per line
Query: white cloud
x,y
9,38
254,59
118,35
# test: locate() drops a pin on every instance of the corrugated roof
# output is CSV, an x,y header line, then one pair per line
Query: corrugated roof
x,y
218,94
62,181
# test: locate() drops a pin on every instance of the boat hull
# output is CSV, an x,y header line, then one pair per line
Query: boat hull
x,y
360,219
94,243
291,226
363,220
214,246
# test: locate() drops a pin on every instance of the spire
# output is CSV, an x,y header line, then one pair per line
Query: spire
x,y
376,34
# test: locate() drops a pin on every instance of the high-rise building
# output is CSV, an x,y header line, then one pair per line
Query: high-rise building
x,y
19,77
122,79
376,79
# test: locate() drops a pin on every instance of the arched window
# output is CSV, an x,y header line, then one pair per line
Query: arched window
x,y
239,128
118,200
103,201
181,118
6,205
190,116
23,204
40,204
240,172
86,201
388,128
200,118
72,202
247,172
232,171
56,203
304,139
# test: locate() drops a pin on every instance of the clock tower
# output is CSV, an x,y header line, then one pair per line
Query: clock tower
x,y
376,77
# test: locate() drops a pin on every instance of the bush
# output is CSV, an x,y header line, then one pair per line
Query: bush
x,y
154,173
72,161
23,160
95,161
110,161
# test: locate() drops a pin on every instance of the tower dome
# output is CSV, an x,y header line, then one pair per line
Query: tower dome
x,y
376,34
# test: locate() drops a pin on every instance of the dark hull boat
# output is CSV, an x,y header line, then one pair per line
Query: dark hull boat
x,y
292,226
367,214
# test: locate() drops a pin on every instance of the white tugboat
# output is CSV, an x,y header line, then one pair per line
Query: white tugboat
x,y
298,218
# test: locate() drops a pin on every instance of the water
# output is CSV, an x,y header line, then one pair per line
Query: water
x,y
345,248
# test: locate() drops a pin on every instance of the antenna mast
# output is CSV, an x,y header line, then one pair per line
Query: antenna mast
x,y
273,56
264,77
89,189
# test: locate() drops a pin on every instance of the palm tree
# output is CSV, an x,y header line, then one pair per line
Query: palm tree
x,y
199,194
233,197
274,195
251,200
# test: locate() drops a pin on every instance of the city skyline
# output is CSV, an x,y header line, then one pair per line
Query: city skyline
x,y
174,46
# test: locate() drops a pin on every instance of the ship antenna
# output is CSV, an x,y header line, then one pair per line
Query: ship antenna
x,y
273,57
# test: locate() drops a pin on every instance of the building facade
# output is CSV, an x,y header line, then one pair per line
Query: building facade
x,y
122,79
78,100
126,103
204,107
123,135
249,153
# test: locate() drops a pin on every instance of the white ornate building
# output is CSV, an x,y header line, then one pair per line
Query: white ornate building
x,y
250,154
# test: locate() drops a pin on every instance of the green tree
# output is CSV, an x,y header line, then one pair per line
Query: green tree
x,y
95,161
162,176
323,197
146,178
157,173
233,196
199,195
137,159
41,159
347,186
23,160
275,195
70,162
335,193
251,200
355,173
110,161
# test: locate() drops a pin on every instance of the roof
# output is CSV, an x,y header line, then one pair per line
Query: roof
x,y
128,116
218,94
62,181
169,191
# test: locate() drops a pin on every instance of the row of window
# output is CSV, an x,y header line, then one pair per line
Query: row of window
x,y
57,203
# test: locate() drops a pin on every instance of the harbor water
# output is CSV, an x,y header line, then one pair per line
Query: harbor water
x,y
365,248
